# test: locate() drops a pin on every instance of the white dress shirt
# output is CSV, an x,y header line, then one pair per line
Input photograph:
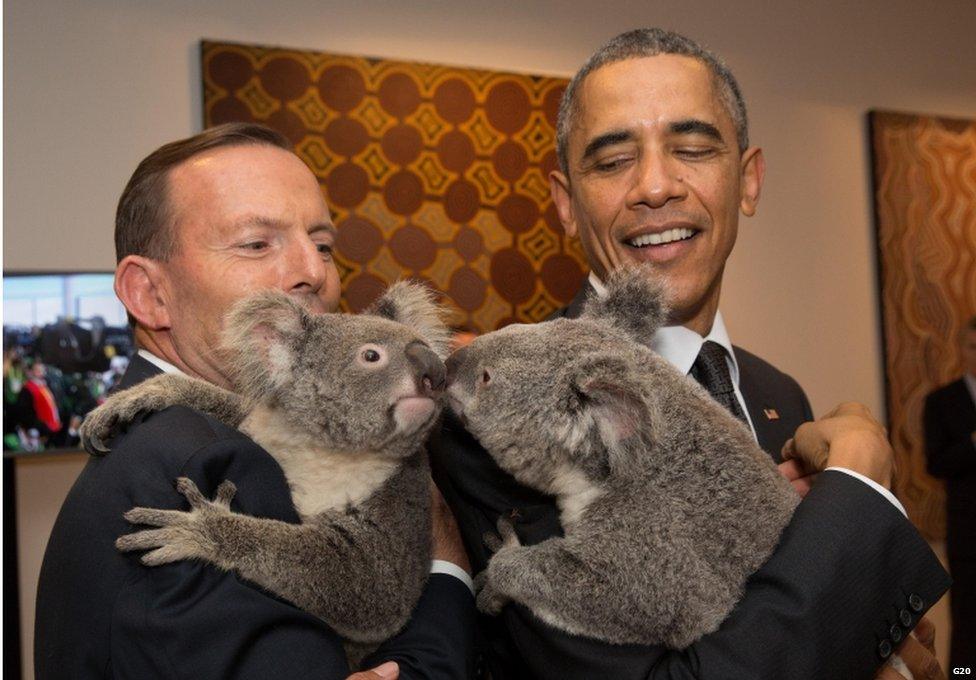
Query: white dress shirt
x,y
436,566
679,346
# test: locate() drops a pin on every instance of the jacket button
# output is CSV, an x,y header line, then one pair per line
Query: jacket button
x,y
884,649
895,633
905,618
916,602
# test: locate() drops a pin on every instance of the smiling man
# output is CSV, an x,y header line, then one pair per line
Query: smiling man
x,y
202,223
656,167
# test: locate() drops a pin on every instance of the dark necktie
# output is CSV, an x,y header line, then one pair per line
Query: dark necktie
x,y
711,370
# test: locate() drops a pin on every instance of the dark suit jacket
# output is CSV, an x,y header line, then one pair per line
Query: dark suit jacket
x,y
950,420
101,614
825,605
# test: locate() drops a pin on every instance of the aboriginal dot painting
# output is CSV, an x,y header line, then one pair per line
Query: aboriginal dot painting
x,y
432,172
925,206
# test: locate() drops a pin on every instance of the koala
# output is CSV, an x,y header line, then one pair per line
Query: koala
x,y
666,501
344,404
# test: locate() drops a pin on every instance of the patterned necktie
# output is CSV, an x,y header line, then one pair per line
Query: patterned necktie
x,y
712,371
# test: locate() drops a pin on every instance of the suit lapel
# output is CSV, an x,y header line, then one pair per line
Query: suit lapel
x,y
139,369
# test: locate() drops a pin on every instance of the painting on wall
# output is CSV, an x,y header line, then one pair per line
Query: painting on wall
x,y
432,172
925,209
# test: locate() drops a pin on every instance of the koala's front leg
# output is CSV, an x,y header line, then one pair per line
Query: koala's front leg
x,y
491,598
156,394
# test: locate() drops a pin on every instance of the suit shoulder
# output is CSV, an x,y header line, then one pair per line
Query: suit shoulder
x,y
177,428
947,392
765,371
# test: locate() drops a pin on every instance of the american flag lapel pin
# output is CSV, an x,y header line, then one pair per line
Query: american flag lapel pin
x,y
771,414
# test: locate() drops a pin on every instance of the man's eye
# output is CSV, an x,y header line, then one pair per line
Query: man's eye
x,y
325,249
255,245
695,153
610,164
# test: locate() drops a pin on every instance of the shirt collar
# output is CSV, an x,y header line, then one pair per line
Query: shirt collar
x,y
162,365
679,346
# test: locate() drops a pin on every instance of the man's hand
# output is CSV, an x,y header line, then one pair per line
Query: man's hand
x,y
797,475
386,671
847,437
918,653
446,537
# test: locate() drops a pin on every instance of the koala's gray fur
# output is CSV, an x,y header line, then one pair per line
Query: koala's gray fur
x,y
667,502
348,433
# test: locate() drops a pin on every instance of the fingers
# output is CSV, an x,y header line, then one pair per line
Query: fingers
x,y
387,671
492,541
886,672
920,660
803,485
153,517
925,633
166,555
186,487
225,493
143,540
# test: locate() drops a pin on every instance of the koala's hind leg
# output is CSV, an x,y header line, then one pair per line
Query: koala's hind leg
x,y
559,586
156,394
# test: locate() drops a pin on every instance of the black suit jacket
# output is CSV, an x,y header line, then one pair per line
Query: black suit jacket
x,y
950,420
101,614
826,604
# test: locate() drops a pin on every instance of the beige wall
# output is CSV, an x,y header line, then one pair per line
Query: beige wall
x,y
90,87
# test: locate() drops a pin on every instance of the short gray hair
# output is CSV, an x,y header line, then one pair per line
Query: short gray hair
x,y
649,42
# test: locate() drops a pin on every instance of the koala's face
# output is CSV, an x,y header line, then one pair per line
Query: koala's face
x,y
521,393
361,383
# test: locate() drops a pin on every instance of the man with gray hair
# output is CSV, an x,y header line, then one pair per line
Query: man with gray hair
x,y
654,168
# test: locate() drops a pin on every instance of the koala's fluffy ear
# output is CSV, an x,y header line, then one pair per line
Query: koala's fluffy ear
x,y
413,304
635,303
613,411
261,334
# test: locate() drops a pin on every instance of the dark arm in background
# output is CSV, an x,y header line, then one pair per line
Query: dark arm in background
x,y
949,452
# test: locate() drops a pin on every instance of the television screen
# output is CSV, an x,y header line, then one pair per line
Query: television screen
x,y
66,343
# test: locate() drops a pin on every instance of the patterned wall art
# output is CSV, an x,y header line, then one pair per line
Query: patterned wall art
x,y
431,172
925,207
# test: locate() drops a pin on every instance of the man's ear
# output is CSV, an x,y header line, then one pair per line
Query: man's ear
x,y
612,407
563,200
753,173
139,285
262,333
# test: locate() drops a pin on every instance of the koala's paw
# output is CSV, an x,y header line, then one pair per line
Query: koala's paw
x,y
181,535
490,600
117,413
505,538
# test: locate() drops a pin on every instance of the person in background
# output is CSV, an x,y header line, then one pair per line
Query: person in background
x,y
950,448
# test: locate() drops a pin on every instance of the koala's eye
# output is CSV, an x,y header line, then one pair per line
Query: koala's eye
x,y
371,356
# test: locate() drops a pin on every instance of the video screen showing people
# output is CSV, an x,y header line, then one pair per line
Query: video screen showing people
x,y
66,343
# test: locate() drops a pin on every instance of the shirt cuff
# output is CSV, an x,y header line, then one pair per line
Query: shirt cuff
x,y
874,485
451,569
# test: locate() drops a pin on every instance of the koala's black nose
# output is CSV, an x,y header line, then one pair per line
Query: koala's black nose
x,y
454,362
428,367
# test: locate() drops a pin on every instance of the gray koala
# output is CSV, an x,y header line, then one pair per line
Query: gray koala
x,y
667,502
343,403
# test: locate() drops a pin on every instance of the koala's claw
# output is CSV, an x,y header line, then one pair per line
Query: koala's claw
x,y
94,445
505,538
222,498
95,429
489,600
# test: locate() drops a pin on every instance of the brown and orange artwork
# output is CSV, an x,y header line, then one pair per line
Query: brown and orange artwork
x,y
432,172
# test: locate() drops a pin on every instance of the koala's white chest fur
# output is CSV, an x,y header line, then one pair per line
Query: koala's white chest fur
x,y
320,479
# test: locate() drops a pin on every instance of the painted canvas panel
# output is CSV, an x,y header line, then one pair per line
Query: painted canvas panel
x,y
925,207
432,172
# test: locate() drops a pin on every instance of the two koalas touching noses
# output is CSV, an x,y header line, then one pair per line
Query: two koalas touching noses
x,y
666,501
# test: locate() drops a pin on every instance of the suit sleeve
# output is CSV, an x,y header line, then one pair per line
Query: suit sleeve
x,y
846,568
823,606
199,621
947,454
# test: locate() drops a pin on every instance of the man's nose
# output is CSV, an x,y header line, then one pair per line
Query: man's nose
x,y
658,180
309,268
